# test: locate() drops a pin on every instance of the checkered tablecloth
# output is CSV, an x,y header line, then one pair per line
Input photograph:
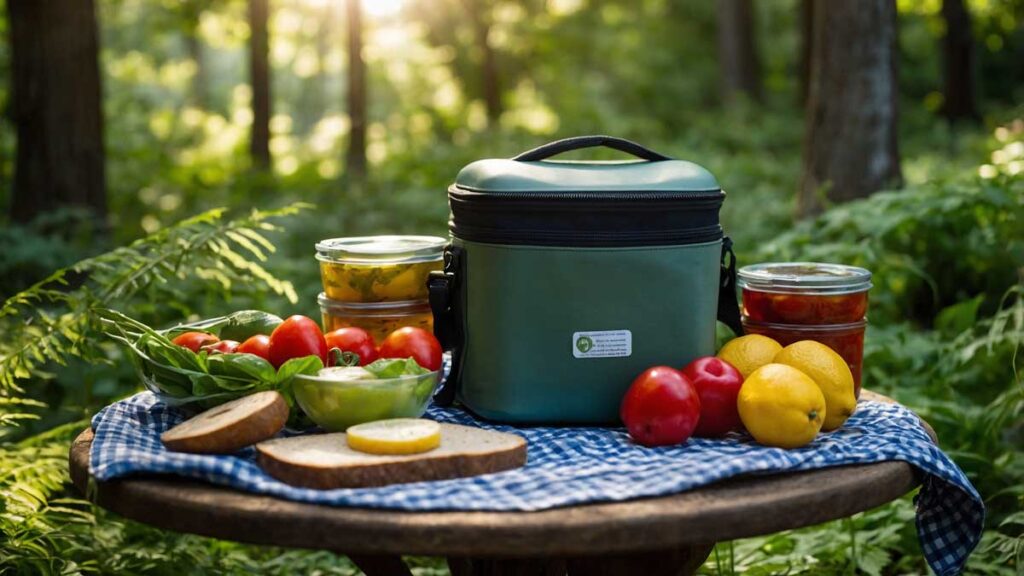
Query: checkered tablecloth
x,y
581,465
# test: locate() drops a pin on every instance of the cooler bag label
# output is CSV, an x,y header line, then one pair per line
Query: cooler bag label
x,y
602,344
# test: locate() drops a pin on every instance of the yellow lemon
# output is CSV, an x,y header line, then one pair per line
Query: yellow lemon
x,y
830,372
395,436
750,352
781,406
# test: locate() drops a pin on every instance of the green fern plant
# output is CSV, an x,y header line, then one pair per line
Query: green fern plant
x,y
55,319
43,529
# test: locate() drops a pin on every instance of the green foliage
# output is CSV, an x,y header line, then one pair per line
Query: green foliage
x,y
58,321
929,246
57,318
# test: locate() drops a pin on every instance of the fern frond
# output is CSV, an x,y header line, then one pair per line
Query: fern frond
x,y
55,319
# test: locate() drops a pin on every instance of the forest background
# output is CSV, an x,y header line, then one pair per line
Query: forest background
x,y
877,133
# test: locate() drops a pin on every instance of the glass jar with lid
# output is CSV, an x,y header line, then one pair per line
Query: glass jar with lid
x,y
377,318
793,301
378,268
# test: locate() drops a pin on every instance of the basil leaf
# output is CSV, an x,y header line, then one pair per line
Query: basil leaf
x,y
308,365
395,367
246,366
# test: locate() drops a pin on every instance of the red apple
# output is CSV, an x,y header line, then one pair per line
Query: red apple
x,y
718,384
660,408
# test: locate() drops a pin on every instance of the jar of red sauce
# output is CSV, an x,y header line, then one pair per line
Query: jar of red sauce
x,y
793,301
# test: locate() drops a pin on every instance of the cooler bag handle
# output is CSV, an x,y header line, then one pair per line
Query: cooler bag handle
x,y
579,142
728,308
443,286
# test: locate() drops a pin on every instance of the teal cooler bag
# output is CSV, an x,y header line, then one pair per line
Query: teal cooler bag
x,y
565,280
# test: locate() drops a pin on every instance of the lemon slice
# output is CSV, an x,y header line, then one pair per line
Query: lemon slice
x,y
395,436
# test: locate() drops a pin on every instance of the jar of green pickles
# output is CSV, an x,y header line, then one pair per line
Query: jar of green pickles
x,y
378,268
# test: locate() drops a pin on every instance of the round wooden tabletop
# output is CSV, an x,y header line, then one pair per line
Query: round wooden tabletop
x,y
737,508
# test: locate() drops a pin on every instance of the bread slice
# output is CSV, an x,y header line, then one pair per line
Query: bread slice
x,y
230,426
325,461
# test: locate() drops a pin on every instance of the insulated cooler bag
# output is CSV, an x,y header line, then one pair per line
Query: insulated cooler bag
x,y
564,280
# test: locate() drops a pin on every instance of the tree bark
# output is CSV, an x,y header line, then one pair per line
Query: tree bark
x,y
56,107
195,51
806,41
259,70
323,35
191,10
850,142
490,81
355,160
738,61
958,63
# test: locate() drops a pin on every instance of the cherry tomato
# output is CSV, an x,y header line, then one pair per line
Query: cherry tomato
x,y
661,407
296,337
718,385
222,347
194,340
258,345
410,342
355,340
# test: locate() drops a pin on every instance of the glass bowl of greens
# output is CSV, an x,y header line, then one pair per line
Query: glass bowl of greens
x,y
342,396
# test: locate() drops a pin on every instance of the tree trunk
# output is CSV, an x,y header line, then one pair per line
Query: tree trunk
x,y
490,82
738,62
958,63
195,51
806,40
259,70
323,35
355,160
56,107
850,148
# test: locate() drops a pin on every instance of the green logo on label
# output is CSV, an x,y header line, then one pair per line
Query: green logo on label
x,y
584,344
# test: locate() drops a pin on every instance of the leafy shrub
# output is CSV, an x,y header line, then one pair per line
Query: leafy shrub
x,y
947,327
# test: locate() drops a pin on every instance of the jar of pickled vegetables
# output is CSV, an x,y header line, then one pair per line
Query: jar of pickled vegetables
x,y
792,301
378,268
377,318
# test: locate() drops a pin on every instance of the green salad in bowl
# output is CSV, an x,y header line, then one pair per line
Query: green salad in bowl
x,y
342,396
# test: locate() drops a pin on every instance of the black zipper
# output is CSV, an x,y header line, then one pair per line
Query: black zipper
x,y
586,218
608,238
470,194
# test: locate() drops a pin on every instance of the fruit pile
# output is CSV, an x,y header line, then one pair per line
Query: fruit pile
x,y
782,396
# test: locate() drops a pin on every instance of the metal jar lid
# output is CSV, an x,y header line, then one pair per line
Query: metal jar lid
x,y
804,278
381,249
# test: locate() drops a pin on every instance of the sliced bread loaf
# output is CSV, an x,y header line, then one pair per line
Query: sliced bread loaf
x,y
325,461
230,426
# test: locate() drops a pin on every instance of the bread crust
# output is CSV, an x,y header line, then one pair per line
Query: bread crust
x,y
262,424
419,468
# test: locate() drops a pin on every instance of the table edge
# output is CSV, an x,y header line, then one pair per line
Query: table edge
x,y
784,501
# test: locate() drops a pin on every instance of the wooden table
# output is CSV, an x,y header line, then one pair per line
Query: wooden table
x,y
652,537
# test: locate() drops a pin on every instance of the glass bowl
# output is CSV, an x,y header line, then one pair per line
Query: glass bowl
x,y
335,405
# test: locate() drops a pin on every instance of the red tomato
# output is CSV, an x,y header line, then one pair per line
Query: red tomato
x,y
718,384
222,347
661,407
415,343
194,340
258,345
296,337
355,340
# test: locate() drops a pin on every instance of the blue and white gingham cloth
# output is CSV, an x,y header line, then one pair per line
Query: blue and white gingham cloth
x,y
581,465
